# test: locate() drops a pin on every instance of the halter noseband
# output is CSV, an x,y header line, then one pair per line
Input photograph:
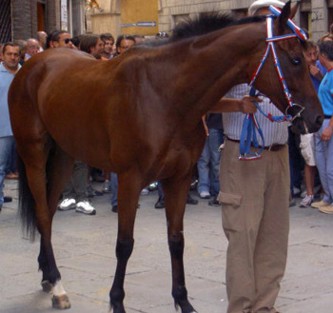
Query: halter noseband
x,y
250,125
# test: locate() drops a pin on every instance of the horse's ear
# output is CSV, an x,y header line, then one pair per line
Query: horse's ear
x,y
284,16
294,9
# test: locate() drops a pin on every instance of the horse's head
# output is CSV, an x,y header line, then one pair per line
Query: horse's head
x,y
284,75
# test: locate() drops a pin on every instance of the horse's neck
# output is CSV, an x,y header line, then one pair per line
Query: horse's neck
x,y
214,63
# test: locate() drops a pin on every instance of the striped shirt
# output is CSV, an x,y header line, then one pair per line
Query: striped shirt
x,y
274,133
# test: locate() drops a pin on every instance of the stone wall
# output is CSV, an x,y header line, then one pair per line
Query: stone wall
x,y
24,18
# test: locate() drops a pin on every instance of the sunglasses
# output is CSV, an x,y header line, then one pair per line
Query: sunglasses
x,y
67,40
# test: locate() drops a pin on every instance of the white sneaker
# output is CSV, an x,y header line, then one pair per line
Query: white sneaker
x,y
67,204
204,195
85,207
306,201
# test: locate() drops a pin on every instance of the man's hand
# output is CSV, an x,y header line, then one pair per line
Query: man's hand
x,y
247,104
327,133
314,70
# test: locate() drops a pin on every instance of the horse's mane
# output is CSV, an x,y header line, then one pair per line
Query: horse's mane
x,y
209,22
203,24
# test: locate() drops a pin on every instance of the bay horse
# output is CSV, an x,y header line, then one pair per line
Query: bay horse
x,y
139,115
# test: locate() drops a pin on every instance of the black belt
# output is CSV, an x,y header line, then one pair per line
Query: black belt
x,y
327,116
272,147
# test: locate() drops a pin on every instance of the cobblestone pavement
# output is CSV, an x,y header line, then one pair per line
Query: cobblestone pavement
x,y
84,248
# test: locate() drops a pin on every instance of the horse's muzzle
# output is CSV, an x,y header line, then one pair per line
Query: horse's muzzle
x,y
302,126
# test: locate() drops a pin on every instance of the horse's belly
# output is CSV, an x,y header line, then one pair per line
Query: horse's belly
x,y
84,144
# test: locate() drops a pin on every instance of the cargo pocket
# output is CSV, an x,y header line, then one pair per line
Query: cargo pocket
x,y
230,213
229,199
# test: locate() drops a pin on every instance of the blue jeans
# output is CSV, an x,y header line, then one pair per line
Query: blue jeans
x,y
114,189
296,162
209,163
6,146
324,160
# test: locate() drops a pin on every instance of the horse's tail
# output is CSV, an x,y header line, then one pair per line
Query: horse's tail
x,y
26,202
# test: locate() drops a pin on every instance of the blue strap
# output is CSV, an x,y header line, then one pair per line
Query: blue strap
x,y
249,137
250,129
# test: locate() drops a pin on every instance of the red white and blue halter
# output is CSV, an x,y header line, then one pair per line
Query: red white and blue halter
x,y
251,126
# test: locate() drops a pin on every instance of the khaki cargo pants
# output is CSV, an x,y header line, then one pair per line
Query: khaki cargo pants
x,y
255,218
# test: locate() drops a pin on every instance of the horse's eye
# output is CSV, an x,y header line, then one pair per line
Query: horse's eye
x,y
296,61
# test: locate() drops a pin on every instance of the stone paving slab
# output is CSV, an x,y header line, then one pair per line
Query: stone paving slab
x,y
84,248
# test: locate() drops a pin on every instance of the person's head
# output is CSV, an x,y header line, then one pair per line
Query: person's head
x,y
41,37
23,45
108,40
310,52
326,37
124,42
32,46
261,7
11,56
326,53
92,44
59,39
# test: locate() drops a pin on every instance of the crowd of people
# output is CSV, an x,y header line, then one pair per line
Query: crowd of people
x,y
255,216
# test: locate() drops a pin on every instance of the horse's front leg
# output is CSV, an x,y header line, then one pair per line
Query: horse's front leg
x,y
128,196
176,192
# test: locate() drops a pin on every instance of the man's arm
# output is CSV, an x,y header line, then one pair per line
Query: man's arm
x,y
244,105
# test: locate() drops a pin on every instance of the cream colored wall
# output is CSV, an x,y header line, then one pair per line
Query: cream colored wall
x,y
105,23
118,12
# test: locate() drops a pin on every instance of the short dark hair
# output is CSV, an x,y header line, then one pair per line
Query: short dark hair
x,y
107,36
326,48
54,36
9,44
87,42
120,38
309,44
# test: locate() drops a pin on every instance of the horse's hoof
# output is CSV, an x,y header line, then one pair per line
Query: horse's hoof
x,y
61,302
47,286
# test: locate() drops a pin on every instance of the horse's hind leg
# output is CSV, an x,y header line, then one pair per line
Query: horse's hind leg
x,y
46,172
176,192
59,169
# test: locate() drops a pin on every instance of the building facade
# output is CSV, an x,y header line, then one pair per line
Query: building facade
x,y
124,17
315,15
21,19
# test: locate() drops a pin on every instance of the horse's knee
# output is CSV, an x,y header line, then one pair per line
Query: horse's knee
x,y
176,246
124,249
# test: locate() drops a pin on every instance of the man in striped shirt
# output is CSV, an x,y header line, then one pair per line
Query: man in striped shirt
x,y
255,206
